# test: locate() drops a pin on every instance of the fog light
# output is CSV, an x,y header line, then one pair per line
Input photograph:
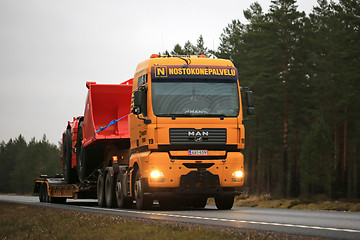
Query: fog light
x,y
156,174
238,174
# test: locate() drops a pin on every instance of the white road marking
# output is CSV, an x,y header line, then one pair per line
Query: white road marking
x,y
230,220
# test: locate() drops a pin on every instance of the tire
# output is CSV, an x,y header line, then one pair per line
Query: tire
x,y
80,155
110,197
46,196
224,203
42,197
121,200
199,202
142,201
100,187
69,173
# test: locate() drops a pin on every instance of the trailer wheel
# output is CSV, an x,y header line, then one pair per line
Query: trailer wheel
x,y
142,201
42,197
121,199
100,190
69,174
110,197
224,203
46,196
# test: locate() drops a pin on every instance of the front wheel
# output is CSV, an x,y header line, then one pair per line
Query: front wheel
x,y
199,202
224,203
142,201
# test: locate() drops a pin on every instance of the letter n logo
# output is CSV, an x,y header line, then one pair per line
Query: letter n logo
x,y
160,71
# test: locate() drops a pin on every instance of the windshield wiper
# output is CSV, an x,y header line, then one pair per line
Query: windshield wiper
x,y
220,115
174,115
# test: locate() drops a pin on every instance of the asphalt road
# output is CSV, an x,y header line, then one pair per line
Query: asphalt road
x,y
328,224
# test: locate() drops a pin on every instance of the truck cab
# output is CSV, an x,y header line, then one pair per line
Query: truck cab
x,y
186,131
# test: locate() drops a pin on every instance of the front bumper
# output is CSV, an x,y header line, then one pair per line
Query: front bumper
x,y
200,183
173,170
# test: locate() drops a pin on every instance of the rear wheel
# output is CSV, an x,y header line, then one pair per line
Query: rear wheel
x,y
110,189
121,199
142,201
100,190
224,203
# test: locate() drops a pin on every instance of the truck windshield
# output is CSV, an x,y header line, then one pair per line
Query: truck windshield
x,y
206,98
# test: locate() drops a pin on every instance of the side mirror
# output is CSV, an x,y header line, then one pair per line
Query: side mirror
x,y
250,103
140,102
140,105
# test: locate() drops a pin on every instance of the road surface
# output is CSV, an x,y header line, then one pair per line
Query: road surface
x,y
327,224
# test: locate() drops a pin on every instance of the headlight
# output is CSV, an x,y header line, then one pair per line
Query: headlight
x,y
156,174
238,174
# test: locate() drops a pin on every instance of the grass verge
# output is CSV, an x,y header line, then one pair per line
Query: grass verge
x,y
29,222
317,203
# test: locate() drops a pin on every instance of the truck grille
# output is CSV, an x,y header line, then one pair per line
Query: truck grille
x,y
195,137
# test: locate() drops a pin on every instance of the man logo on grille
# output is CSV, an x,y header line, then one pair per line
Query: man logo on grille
x,y
198,135
198,139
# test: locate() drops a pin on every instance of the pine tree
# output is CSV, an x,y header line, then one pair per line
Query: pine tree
x,y
200,47
178,50
231,42
191,49
21,162
335,57
288,27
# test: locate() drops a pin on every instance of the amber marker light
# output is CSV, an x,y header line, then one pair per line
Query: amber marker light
x,y
154,56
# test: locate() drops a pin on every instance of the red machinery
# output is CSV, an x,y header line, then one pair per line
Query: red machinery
x,y
85,141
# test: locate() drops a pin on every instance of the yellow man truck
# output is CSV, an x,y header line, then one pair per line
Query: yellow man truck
x,y
174,133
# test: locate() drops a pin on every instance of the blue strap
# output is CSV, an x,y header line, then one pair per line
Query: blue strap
x,y
111,123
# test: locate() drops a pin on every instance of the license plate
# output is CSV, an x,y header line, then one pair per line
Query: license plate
x,y
198,152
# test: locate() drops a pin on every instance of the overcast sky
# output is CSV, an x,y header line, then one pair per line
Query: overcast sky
x,y
50,48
